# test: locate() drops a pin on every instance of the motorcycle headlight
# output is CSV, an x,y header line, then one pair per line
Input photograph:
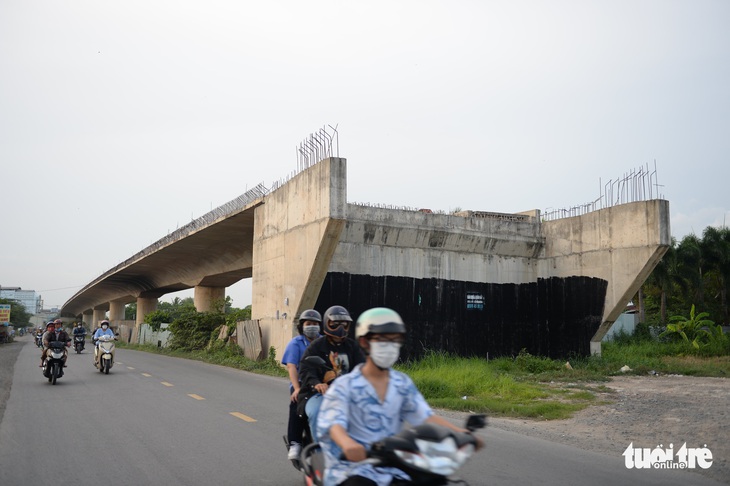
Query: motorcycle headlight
x,y
442,458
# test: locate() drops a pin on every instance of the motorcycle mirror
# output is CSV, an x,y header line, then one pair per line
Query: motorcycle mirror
x,y
475,422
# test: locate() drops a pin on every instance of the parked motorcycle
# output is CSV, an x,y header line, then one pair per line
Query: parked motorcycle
x,y
53,364
430,454
104,353
79,342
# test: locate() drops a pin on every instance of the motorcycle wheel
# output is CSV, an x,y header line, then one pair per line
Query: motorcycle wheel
x,y
78,349
54,373
106,366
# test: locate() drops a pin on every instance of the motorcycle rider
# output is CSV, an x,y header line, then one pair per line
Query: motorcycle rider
x,y
39,336
61,334
104,330
309,329
51,335
80,331
340,352
371,403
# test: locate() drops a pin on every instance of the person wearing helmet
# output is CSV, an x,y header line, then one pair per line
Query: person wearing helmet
x,y
104,330
50,335
371,403
80,331
340,355
309,328
62,335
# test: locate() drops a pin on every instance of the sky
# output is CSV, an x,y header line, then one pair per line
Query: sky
x,y
122,121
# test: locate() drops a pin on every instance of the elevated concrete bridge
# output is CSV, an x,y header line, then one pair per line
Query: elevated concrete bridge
x,y
473,283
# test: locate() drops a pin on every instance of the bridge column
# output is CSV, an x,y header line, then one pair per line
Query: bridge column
x,y
116,310
145,305
98,316
204,297
87,319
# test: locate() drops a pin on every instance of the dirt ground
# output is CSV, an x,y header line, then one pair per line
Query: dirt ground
x,y
647,411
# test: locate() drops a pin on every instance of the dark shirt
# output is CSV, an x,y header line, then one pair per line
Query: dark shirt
x,y
62,336
339,361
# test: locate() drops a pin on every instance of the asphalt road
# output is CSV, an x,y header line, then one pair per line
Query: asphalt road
x,y
156,420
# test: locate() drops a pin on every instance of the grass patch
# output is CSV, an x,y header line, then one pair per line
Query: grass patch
x,y
476,385
228,356
525,386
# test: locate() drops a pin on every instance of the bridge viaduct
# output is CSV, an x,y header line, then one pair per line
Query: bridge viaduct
x,y
472,283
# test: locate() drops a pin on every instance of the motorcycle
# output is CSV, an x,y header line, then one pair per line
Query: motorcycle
x,y
306,440
104,353
79,342
430,454
39,340
53,364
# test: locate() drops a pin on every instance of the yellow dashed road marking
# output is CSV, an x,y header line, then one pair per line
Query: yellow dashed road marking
x,y
146,374
166,383
243,417
197,397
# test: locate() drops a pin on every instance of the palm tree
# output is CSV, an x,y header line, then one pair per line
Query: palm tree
x,y
664,278
716,247
691,266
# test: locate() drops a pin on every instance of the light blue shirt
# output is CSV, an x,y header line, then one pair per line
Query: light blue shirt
x,y
101,332
351,401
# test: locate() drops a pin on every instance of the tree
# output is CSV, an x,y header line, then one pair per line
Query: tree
x,y
692,265
130,311
664,280
716,245
19,316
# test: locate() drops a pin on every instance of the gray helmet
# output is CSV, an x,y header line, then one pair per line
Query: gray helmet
x,y
308,315
379,320
336,313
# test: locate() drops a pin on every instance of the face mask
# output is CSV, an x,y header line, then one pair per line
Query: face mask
x,y
311,331
105,327
384,355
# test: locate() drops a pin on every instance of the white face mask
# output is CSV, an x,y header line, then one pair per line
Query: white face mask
x,y
311,331
384,355
105,327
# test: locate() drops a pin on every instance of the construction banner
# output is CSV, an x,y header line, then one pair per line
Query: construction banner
x,y
4,314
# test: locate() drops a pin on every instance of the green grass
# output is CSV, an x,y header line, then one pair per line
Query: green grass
x,y
525,386
229,356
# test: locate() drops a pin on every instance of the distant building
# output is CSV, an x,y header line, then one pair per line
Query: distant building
x,y
28,298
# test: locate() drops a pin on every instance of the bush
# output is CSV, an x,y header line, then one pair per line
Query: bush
x,y
194,330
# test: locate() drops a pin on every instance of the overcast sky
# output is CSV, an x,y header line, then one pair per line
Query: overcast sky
x,y
121,121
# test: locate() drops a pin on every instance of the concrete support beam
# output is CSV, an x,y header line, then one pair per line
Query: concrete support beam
x,y
295,235
145,305
621,244
87,318
204,297
98,316
116,310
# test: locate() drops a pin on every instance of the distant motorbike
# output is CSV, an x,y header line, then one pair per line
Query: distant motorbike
x,y
39,340
53,364
104,353
79,342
